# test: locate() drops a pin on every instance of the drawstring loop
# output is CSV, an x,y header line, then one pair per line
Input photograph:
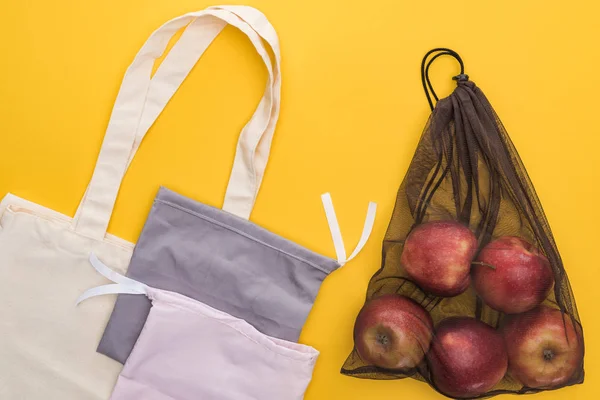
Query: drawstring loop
x,y
427,86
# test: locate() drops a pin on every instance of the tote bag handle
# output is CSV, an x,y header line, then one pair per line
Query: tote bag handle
x,y
142,98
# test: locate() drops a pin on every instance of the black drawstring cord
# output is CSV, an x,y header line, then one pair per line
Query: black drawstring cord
x,y
427,86
427,72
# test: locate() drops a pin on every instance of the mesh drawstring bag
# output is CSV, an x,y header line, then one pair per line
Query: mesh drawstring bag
x,y
472,295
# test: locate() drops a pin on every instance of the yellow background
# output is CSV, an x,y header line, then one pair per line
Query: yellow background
x,y
353,110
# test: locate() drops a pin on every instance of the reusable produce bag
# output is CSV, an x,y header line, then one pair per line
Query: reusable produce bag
x,y
47,348
190,351
466,186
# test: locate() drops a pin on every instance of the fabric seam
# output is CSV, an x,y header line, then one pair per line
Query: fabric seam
x,y
196,312
64,221
242,233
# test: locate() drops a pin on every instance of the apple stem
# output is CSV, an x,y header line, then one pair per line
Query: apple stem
x,y
484,264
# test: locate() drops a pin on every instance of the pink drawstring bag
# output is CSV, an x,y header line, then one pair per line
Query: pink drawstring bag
x,y
189,351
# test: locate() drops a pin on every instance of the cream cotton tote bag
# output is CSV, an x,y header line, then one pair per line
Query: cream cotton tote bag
x,y
47,346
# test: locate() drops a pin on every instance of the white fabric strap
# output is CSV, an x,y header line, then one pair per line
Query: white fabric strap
x,y
336,233
141,99
122,283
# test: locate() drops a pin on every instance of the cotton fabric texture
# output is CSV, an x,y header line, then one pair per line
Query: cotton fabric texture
x,y
47,347
189,351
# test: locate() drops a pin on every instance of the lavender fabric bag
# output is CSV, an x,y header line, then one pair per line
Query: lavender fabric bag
x,y
190,351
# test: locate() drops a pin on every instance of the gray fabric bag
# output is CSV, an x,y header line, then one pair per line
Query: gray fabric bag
x,y
220,260
217,256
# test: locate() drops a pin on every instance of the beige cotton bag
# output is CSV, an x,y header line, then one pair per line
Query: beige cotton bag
x,y
47,345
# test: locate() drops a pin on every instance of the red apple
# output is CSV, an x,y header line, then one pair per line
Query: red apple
x,y
544,348
467,357
437,256
393,332
513,276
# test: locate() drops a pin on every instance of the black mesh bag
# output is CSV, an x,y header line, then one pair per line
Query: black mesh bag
x,y
472,295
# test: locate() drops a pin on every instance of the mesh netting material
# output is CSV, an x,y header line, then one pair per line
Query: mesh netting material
x,y
465,169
